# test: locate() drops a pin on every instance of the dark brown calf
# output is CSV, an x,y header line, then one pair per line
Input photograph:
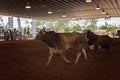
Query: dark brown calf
x,y
98,41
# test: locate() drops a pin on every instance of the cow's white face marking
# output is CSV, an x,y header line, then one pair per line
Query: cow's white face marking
x,y
92,47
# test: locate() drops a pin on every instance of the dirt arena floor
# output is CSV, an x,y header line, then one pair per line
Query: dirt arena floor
x,y
25,60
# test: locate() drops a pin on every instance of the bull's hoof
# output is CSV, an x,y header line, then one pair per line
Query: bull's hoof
x,y
68,61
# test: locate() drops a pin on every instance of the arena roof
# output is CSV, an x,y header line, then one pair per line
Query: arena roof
x,y
79,9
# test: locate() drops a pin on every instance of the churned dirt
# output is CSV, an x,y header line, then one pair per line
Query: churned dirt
x,y
25,60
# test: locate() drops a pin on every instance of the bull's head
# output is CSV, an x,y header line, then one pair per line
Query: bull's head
x,y
85,33
40,34
90,36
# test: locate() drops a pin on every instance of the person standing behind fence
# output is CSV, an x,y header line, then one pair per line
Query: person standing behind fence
x,y
28,32
15,34
11,34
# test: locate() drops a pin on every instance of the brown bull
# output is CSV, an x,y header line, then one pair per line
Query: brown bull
x,y
60,42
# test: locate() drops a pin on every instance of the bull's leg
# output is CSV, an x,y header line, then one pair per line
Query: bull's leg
x,y
85,54
50,56
66,60
78,56
96,47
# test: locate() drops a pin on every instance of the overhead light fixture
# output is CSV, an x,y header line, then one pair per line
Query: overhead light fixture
x,y
49,12
97,8
73,18
103,11
28,6
88,0
107,15
63,15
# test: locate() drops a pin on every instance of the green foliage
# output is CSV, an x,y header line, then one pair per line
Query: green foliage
x,y
113,28
77,28
67,29
104,27
89,23
93,22
91,27
61,23
109,28
52,27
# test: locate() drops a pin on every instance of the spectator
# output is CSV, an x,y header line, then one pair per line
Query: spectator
x,y
28,32
11,34
6,35
24,30
15,34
